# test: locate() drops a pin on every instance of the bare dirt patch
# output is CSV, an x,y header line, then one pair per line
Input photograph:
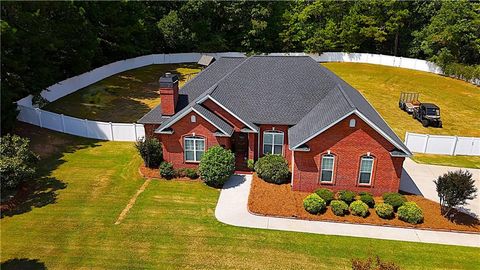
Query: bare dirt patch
x,y
279,200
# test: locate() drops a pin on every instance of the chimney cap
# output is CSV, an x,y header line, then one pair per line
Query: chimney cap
x,y
168,79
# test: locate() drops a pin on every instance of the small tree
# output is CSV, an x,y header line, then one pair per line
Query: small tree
x,y
454,189
150,149
17,162
216,166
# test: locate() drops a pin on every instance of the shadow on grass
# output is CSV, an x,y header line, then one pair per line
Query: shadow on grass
x,y
23,264
43,189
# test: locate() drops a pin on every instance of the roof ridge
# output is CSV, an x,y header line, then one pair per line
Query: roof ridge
x,y
346,96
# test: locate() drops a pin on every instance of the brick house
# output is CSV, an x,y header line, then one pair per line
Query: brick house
x,y
287,105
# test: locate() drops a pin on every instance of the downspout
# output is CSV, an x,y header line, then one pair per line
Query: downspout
x,y
293,167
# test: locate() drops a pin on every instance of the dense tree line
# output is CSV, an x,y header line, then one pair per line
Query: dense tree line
x,y
45,42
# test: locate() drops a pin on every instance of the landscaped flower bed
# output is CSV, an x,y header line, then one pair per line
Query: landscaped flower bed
x,y
279,200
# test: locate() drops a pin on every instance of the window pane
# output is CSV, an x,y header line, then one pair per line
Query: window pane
x,y
278,138
364,178
277,149
188,144
327,176
267,138
267,149
366,165
327,163
200,144
199,155
189,155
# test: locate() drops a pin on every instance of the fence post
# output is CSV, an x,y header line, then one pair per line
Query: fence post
x,y
135,131
86,128
39,114
63,123
426,144
454,146
111,130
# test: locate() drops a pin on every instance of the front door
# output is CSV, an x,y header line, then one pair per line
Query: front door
x,y
240,147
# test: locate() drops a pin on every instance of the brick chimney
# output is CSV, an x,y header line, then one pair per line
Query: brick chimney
x,y
168,93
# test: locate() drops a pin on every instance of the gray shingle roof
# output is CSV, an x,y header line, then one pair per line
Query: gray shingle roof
x,y
216,121
294,91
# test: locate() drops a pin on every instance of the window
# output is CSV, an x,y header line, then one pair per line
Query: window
x,y
366,167
326,174
352,123
273,142
194,147
193,119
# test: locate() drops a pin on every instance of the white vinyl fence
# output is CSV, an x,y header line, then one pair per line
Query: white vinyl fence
x,y
444,145
132,131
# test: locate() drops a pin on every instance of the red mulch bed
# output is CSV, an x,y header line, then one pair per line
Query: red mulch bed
x,y
155,174
279,200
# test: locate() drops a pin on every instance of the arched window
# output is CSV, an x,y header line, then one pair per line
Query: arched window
x,y
273,142
352,123
194,147
366,168
327,168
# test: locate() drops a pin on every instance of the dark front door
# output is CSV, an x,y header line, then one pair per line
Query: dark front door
x,y
240,147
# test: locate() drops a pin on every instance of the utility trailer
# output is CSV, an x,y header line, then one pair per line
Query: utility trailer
x,y
427,113
408,102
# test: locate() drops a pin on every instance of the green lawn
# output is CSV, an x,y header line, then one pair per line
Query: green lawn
x,y
124,97
456,161
459,101
69,224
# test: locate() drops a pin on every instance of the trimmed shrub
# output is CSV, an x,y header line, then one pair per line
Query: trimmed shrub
x,y
411,213
339,208
166,170
394,199
191,173
216,166
359,208
367,198
150,149
272,169
314,204
384,210
251,164
326,194
346,196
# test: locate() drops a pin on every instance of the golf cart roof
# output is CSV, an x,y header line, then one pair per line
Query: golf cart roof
x,y
430,105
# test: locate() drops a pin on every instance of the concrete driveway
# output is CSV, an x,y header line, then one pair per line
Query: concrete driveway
x,y
418,179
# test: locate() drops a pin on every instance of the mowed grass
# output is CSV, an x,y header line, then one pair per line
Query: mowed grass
x,y
124,97
444,160
459,101
172,225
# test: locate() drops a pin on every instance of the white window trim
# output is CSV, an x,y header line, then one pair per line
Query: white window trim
x,y
332,170
194,139
371,170
273,132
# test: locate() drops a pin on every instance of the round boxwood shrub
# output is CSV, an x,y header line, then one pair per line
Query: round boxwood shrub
x,y
216,166
384,210
166,170
359,208
394,199
346,196
191,173
339,208
326,194
367,198
272,169
314,204
410,212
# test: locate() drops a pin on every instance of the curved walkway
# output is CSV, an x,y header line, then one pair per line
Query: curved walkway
x,y
232,209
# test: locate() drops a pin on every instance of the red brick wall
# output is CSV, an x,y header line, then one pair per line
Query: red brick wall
x,y
173,143
149,129
287,153
232,120
348,145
